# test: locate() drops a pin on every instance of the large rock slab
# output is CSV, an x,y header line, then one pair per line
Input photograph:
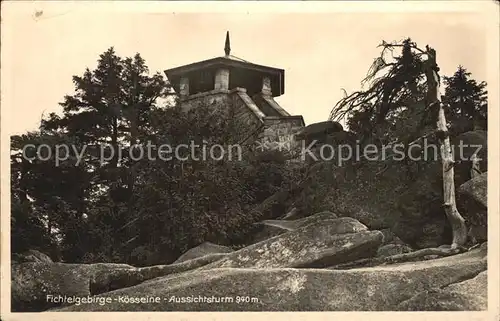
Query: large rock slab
x,y
473,142
469,295
278,204
406,197
390,237
476,189
393,249
313,219
353,191
33,281
423,222
266,230
105,281
203,249
31,256
291,215
318,130
270,228
286,289
472,203
320,244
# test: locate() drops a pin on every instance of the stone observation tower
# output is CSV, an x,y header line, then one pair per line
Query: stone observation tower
x,y
248,89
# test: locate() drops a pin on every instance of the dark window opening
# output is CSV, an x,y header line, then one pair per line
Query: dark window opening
x,y
201,81
248,79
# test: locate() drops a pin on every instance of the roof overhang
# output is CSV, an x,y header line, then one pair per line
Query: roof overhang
x,y
277,75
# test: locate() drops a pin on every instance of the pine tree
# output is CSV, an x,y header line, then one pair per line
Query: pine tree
x,y
110,106
85,201
391,108
466,102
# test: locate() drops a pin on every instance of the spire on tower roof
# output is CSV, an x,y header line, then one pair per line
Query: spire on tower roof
x,y
227,47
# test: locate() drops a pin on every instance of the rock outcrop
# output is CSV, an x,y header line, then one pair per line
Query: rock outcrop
x,y
319,130
319,244
203,249
472,142
381,288
390,237
354,191
270,228
33,281
469,295
31,256
290,215
393,249
294,271
405,197
105,281
472,203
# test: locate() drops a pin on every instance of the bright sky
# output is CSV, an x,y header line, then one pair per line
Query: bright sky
x,y
320,52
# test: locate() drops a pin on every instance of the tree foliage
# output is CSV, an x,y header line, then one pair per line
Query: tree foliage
x,y
466,102
124,209
393,108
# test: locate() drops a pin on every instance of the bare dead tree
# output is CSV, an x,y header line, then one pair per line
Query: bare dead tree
x,y
434,98
392,83
397,83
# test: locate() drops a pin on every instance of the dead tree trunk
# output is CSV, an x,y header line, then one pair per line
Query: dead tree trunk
x,y
434,100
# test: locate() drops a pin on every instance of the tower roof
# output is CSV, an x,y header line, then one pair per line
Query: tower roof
x,y
230,62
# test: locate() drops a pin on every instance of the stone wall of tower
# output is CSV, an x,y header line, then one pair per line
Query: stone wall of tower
x,y
233,105
212,98
279,134
250,125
